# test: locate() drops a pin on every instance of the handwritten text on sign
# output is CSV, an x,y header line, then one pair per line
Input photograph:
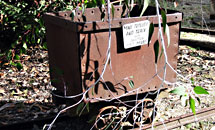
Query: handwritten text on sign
x,y
135,34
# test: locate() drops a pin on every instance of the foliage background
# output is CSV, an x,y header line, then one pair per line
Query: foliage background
x,y
22,26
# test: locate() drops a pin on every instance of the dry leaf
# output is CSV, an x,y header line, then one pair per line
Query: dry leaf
x,y
2,90
2,75
162,95
14,80
33,69
27,57
45,80
6,64
25,68
36,90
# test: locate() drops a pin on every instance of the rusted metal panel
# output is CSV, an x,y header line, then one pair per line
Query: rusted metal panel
x,y
138,62
85,51
64,59
93,20
117,23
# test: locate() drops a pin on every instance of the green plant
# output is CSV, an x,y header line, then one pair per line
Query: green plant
x,y
22,26
190,95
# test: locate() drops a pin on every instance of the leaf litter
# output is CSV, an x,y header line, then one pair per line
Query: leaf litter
x,y
26,95
200,65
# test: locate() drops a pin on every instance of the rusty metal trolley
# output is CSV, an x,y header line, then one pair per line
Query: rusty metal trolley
x,y
77,52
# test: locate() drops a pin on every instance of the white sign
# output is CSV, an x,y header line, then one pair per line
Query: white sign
x,y
136,34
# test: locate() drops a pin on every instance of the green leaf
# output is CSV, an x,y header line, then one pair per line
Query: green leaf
x,y
145,6
12,63
9,54
72,15
192,105
19,66
200,90
106,128
131,84
112,10
151,31
25,46
25,92
102,15
83,8
198,99
103,2
88,107
45,46
28,26
179,90
161,53
12,93
163,15
192,80
23,51
13,45
17,57
91,4
189,126
132,4
38,41
93,89
156,50
2,54
79,108
191,48
126,2
168,35
93,118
